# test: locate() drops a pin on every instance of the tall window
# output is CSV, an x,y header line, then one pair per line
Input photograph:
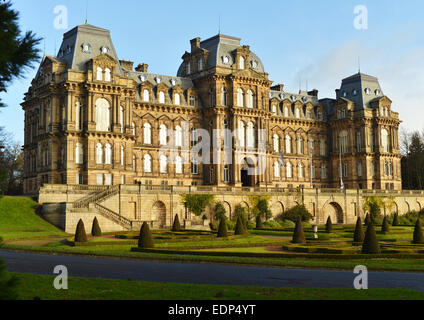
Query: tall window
x,y
359,169
161,97
102,115
286,112
146,95
250,135
79,154
297,113
390,169
133,128
192,101
134,163
78,116
226,174
163,161
322,148
250,99
200,64
240,97
147,164
178,165
343,140
163,135
242,63
372,169
121,118
224,96
194,166
108,154
385,140
274,109
276,143
178,136
277,172
99,74
107,75
288,145
372,141
99,153
289,170
241,134
323,171
122,155
358,142
177,99
301,171
147,133
299,145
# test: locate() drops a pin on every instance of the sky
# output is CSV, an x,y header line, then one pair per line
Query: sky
x,y
302,43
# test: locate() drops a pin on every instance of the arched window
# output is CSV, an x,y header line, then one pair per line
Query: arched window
x,y
323,171
276,143
108,154
297,113
178,165
147,133
277,172
99,74
177,99
241,134
286,112
161,97
79,154
385,140
121,118
163,135
390,169
299,145
122,156
359,169
358,142
224,97
201,64
250,135
274,109
133,128
99,153
78,116
372,141
147,164
107,75
289,170
146,95
250,99
288,145
102,115
343,140
240,97
301,171
322,148
242,63
134,163
178,136
163,164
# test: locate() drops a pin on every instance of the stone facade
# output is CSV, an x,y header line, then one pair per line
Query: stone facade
x,y
92,119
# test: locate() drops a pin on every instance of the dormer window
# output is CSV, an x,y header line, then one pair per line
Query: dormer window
x,y
293,98
367,91
142,78
344,94
107,75
305,99
104,50
377,92
188,67
254,64
86,48
158,80
226,60
173,82
200,64
99,74
355,92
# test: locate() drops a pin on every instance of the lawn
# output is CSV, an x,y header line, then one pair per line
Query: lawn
x,y
19,221
41,287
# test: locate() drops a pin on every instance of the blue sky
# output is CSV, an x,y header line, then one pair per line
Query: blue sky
x,y
296,39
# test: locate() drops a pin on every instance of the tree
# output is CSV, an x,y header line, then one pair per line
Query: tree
x,y
260,206
145,240
219,211
370,245
222,229
385,227
259,222
418,233
176,226
373,205
80,235
359,232
95,230
197,203
367,220
413,161
18,51
294,213
329,225
395,220
299,234
240,227
11,165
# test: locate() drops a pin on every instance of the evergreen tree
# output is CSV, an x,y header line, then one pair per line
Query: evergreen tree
x,y
95,230
371,245
367,220
418,233
80,235
385,226
359,232
299,234
396,220
240,227
329,225
222,229
176,226
145,240
259,224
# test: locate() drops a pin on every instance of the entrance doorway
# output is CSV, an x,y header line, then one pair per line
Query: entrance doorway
x,y
247,179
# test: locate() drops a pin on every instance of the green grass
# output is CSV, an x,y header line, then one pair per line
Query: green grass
x,y
41,287
19,221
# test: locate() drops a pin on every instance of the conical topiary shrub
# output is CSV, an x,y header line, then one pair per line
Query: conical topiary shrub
x,y
145,241
418,233
259,224
396,220
240,227
244,223
95,230
371,245
385,226
80,235
176,226
213,226
359,232
367,219
222,229
299,234
329,225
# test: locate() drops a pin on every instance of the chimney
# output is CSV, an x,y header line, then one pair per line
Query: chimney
x,y
278,87
195,44
337,93
143,67
313,93
128,65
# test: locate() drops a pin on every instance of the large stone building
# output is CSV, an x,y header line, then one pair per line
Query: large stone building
x,y
92,119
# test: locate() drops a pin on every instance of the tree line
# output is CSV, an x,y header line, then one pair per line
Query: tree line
x,y
412,148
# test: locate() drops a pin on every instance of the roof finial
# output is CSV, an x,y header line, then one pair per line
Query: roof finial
x,y
86,12
219,28
359,64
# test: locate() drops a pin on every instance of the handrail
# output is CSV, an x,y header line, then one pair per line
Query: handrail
x,y
112,214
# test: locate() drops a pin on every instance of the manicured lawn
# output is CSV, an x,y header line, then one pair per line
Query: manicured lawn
x,y
19,221
41,287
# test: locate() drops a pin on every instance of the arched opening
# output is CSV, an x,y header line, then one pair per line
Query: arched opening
x,y
159,214
335,211
247,179
228,211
